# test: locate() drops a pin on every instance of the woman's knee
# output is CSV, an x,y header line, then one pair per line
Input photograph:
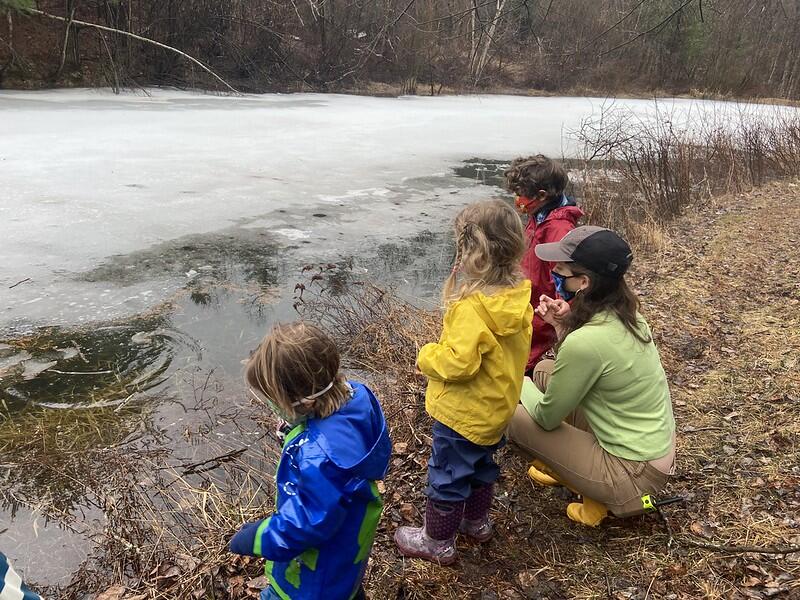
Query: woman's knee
x,y
518,424
523,432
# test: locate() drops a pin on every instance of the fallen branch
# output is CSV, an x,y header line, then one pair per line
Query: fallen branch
x,y
790,549
141,39
19,282
80,372
212,463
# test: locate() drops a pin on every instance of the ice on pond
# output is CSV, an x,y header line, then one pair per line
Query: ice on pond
x,y
34,367
8,363
129,172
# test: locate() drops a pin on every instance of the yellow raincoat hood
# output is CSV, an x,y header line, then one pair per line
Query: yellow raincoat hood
x,y
475,371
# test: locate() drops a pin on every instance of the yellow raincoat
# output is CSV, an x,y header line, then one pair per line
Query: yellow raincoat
x,y
475,371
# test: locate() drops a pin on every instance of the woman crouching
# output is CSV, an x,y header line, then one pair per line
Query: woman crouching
x,y
599,418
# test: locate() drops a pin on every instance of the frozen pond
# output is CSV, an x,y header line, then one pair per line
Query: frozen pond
x,y
158,235
88,178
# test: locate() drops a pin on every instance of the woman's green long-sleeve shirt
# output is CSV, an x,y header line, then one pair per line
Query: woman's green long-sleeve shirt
x,y
619,384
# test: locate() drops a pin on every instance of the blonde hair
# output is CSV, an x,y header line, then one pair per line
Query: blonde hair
x,y
296,361
490,243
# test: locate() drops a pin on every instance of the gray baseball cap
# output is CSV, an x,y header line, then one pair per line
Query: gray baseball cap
x,y
598,249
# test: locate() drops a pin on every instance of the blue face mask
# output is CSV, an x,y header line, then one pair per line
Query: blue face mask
x,y
560,282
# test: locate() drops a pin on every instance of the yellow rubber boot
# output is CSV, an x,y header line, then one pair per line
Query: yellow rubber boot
x,y
541,474
589,512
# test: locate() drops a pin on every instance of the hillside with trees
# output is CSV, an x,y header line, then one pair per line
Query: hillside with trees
x,y
715,47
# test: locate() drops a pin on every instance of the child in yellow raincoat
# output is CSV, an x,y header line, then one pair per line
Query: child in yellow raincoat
x,y
475,375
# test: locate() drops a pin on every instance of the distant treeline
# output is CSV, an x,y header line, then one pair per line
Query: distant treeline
x,y
718,47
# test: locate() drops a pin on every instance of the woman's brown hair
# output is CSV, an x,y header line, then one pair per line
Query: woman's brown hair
x,y
604,294
293,362
490,243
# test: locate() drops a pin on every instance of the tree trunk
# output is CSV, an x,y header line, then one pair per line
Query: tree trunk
x,y
473,44
11,52
69,9
488,42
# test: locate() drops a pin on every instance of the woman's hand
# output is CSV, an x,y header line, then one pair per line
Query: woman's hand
x,y
553,312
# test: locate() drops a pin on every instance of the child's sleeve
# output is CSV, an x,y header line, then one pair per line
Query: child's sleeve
x,y
457,357
309,516
244,540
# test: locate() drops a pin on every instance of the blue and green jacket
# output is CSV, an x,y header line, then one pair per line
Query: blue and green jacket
x,y
327,507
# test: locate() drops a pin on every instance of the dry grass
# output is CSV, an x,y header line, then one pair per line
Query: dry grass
x,y
640,174
167,532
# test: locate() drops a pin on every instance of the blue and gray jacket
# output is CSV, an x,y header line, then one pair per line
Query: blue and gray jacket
x,y
11,586
327,506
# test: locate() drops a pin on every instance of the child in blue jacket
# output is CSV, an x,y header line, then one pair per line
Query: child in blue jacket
x,y
318,540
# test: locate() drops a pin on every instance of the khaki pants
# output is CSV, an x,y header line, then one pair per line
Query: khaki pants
x,y
575,456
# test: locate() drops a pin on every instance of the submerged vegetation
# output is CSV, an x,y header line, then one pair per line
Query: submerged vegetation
x,y
74,397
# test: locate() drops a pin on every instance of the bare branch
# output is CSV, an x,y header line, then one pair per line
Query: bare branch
x,y
206,68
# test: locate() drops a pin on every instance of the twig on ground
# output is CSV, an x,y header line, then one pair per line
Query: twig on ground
x,y
212,463
790,549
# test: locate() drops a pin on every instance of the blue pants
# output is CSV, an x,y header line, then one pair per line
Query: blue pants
x,y
270,594
457,465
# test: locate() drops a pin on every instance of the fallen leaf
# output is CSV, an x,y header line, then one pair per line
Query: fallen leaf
x,y
677,569
169,571
527,579
702,529
259,583
407,511
729,450
756,569
401,447
113,593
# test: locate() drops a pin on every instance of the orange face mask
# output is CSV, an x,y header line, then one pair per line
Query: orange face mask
x,y
525,203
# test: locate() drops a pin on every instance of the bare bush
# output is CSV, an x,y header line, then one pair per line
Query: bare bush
x,y
640,174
